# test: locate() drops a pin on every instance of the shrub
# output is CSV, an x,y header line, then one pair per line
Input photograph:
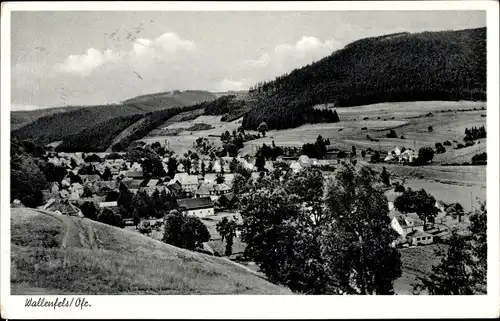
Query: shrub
x,y
402,137
425,154
440,148
392,134
447,143
399,188
479,159
430,129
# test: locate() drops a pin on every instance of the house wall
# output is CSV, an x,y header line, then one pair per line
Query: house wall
x,y
421,240
202,212
396,227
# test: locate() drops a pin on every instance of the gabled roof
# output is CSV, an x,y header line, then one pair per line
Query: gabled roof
x,y
195,203
152,182
63,206
205,189
222,187
133,184
418,233
137,174
186,179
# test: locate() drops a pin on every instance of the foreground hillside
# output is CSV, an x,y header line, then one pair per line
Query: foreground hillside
x,y
54,254
61,122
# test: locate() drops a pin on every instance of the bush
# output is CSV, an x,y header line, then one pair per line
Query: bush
x,y
111,217
425,155
430,129
479,159
144,227
392,134
402,137
447,143
399,188
440,148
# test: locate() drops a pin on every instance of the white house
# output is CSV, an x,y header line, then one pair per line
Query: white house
x,y
405,224
408,156
200,206
189,183
295,167
418,237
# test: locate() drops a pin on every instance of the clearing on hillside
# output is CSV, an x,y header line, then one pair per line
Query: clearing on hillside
x,y
55,254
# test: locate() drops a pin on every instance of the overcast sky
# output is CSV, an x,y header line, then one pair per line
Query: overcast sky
x,y
83,58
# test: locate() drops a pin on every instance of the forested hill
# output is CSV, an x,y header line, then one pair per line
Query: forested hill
x,y
446,65
56,126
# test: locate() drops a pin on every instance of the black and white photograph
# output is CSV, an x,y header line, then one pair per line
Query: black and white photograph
x,y
163,152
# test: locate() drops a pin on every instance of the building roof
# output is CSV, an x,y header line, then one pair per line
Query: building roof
x,y
63,206
391,195
205,189
133,184
195,203
152,182
108,204
137,174
186,179
222,187
418,233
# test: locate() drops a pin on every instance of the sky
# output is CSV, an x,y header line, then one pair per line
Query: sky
x,y
64,58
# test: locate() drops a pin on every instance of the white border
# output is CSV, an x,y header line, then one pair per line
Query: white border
x,y
215,306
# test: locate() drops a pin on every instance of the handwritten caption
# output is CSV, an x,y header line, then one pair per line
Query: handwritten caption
x,y
75,302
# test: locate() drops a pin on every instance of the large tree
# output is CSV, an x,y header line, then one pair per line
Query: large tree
x,y
185,231
356,243
419,202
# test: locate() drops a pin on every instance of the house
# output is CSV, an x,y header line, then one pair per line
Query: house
x,y
228,200
269,166
54,188
63,207
408,156
134,174
108,204
76,188
220,189
396,151
295,166
200,206
205,189
189,183
90,178
210,178
174,187
405,224
133,185
304,160
418,237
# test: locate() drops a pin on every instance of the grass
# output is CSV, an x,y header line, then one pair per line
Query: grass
x,y
416,262
87,257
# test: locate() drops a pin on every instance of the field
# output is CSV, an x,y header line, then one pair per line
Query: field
x,y
54,254
408,119
184,139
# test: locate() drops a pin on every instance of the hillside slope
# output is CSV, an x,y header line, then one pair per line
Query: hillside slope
x,y
53,124
447,65
21,118
55,254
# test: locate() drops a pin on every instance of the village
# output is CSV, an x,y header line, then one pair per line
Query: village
x,y
205,189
